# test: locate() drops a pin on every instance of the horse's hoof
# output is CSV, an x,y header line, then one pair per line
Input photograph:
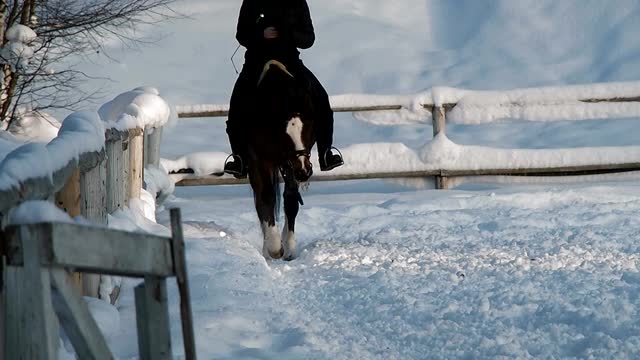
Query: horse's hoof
x,y
277,255
289,258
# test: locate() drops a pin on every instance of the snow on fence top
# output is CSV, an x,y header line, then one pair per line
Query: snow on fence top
x,y
141,107
576,102
81,132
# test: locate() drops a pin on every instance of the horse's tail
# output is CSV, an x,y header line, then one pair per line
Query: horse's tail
x,y
275,180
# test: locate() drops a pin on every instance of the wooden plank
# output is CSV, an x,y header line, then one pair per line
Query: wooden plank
x,y
205,180
439,120
442,182
614,99
77,321
152,319
439,123
387,107
127,169
136,166
152,139
115,175
115,183
68,200
182,278
61,176
32,328
98,250
552,171
93,206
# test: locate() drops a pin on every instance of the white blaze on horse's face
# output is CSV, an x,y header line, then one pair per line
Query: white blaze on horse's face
x,y
294,130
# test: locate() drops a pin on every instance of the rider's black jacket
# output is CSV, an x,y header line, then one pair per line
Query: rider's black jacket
x,y
290,17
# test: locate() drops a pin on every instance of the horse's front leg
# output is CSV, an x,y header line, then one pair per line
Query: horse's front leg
x,y
265,202
292,199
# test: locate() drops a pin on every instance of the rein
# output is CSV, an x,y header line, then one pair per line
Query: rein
x,y
306,153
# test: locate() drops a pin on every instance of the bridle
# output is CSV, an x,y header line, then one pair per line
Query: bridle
x,y
296,154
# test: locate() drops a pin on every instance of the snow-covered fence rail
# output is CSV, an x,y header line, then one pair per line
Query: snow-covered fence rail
x,y
443,159
38,287
91,169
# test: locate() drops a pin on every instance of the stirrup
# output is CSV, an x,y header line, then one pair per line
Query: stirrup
x,y
326,167
238,174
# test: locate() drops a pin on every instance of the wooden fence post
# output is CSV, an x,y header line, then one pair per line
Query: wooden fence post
x,y
152,318
68,199
152,138
439,120
93,205
182,278
117,179
32,327
136,158
439,126
114,148
126,162
77,321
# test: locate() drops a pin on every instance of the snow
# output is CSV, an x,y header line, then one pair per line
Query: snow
x,y
33,212
436,154
141,107
20,33
81,132
17,166
34,127
17,51
380,274
495,268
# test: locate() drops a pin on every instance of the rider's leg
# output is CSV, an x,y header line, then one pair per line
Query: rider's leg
x,y
236,123
324,120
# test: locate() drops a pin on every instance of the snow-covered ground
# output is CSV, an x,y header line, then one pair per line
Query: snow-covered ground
x,y
389,273
396,270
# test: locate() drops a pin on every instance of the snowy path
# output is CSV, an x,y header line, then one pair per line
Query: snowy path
x,y
521,273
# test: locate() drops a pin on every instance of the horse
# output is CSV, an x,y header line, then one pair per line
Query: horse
x,y
280,140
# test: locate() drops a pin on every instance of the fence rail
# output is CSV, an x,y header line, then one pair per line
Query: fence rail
x,y
439,118
38,287
93,185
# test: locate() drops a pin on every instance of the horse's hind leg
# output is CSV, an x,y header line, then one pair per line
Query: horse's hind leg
x,y
291,207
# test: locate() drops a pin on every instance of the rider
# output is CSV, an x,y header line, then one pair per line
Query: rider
x,y
275,29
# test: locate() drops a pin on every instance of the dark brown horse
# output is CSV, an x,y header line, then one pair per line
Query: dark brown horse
x,y
280,142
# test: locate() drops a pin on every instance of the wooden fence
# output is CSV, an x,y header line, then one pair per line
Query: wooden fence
x,y
94,185
38,287
439,114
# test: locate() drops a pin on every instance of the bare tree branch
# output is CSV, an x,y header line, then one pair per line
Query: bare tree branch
x,y
68,29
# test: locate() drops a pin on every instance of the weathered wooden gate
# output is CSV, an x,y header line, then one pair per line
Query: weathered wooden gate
x,y
38,258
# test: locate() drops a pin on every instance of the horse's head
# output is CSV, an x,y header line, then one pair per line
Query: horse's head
x,y
300,141
287,109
